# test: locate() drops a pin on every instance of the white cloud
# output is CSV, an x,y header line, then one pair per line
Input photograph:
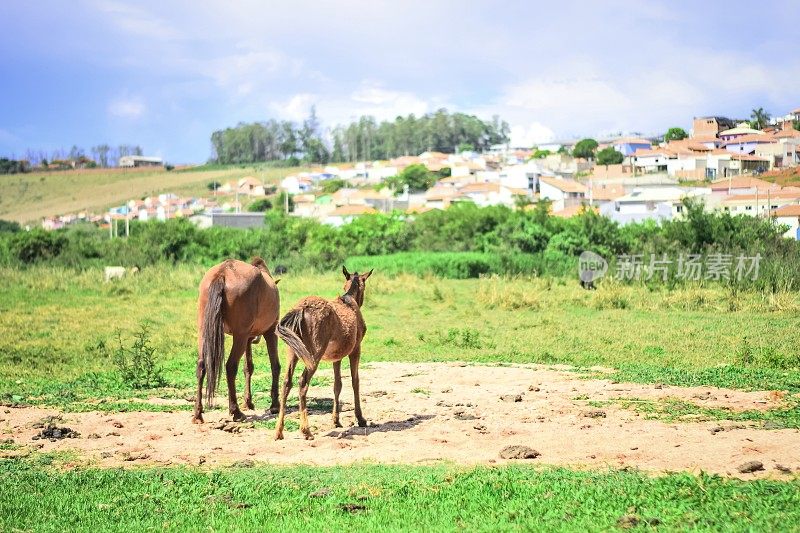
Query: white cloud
x,y
531,135
136,21
127,107
370,98
580,98
296,108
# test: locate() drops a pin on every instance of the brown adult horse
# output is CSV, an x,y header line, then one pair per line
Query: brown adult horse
x,y
324,330
242,300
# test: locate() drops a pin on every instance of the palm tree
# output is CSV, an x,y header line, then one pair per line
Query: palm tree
x,y
760,118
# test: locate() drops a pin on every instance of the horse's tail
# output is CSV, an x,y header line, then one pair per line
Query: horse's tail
x,y
213,337
290,329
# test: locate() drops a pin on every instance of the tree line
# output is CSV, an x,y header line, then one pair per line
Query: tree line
x,y
362,139
512,241
102,155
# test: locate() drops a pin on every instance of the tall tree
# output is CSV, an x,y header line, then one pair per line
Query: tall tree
x,y
585,148
760,118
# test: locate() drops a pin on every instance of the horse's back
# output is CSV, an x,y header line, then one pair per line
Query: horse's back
x,y
251,299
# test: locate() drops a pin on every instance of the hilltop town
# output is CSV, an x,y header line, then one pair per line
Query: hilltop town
x,y
731,165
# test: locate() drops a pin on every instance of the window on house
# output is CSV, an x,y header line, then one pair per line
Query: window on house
x,y
748,208
679,208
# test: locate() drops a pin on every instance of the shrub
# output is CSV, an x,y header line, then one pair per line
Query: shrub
x,y
36,245
137,364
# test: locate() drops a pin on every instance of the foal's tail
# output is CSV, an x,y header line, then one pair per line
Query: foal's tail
x,y
290,329
213,337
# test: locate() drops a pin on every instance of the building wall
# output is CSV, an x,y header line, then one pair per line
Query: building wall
x,y
794,226
553,194
702,127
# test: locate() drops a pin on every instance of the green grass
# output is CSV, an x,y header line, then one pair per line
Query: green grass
x,y
390,498
677,410
52,321
29,197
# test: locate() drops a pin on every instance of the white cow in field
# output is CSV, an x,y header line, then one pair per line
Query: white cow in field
x,y
118,272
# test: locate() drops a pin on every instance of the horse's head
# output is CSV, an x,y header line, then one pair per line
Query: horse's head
x,y
355,284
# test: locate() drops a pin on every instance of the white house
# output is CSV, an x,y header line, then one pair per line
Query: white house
x,y
761,203
523,176
789,215
646,160
561,192
130,161
656,203
295,184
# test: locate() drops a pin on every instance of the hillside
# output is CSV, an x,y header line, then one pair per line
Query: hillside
x,y
30,197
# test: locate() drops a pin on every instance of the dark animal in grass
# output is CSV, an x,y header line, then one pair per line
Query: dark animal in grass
x,y
318,330
241,300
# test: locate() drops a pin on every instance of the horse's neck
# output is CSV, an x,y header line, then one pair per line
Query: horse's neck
x,y
350,300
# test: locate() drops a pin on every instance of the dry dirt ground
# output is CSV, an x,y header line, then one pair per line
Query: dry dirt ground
x,y
421,413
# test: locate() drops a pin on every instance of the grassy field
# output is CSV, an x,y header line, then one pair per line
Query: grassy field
x,y
30,197
55,323
390,498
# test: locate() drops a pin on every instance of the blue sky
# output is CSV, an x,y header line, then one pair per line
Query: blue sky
x,y
166,74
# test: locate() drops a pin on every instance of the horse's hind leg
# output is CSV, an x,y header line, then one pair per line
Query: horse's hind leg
x,y
291,361
355,357
305,381
271,340
231,367
248,374
337,388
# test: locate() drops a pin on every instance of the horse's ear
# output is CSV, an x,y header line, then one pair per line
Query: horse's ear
x,y
368,274
277,281
345,272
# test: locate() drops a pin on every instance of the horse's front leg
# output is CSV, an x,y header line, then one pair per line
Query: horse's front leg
x,y
355,357
337,388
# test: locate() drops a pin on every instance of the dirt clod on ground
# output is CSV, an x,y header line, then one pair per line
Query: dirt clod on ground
x,y
53,432
750,467
511,397
518,452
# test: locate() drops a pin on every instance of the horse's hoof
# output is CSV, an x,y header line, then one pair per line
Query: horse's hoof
x,y
238,416
337,424
308,436
279,436
197,419
362,423
250,405
274,409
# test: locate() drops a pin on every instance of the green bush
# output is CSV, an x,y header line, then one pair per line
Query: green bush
x,y
137,364
36,245
460,242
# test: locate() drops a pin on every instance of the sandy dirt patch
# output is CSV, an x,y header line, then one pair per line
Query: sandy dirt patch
x,y
429,412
